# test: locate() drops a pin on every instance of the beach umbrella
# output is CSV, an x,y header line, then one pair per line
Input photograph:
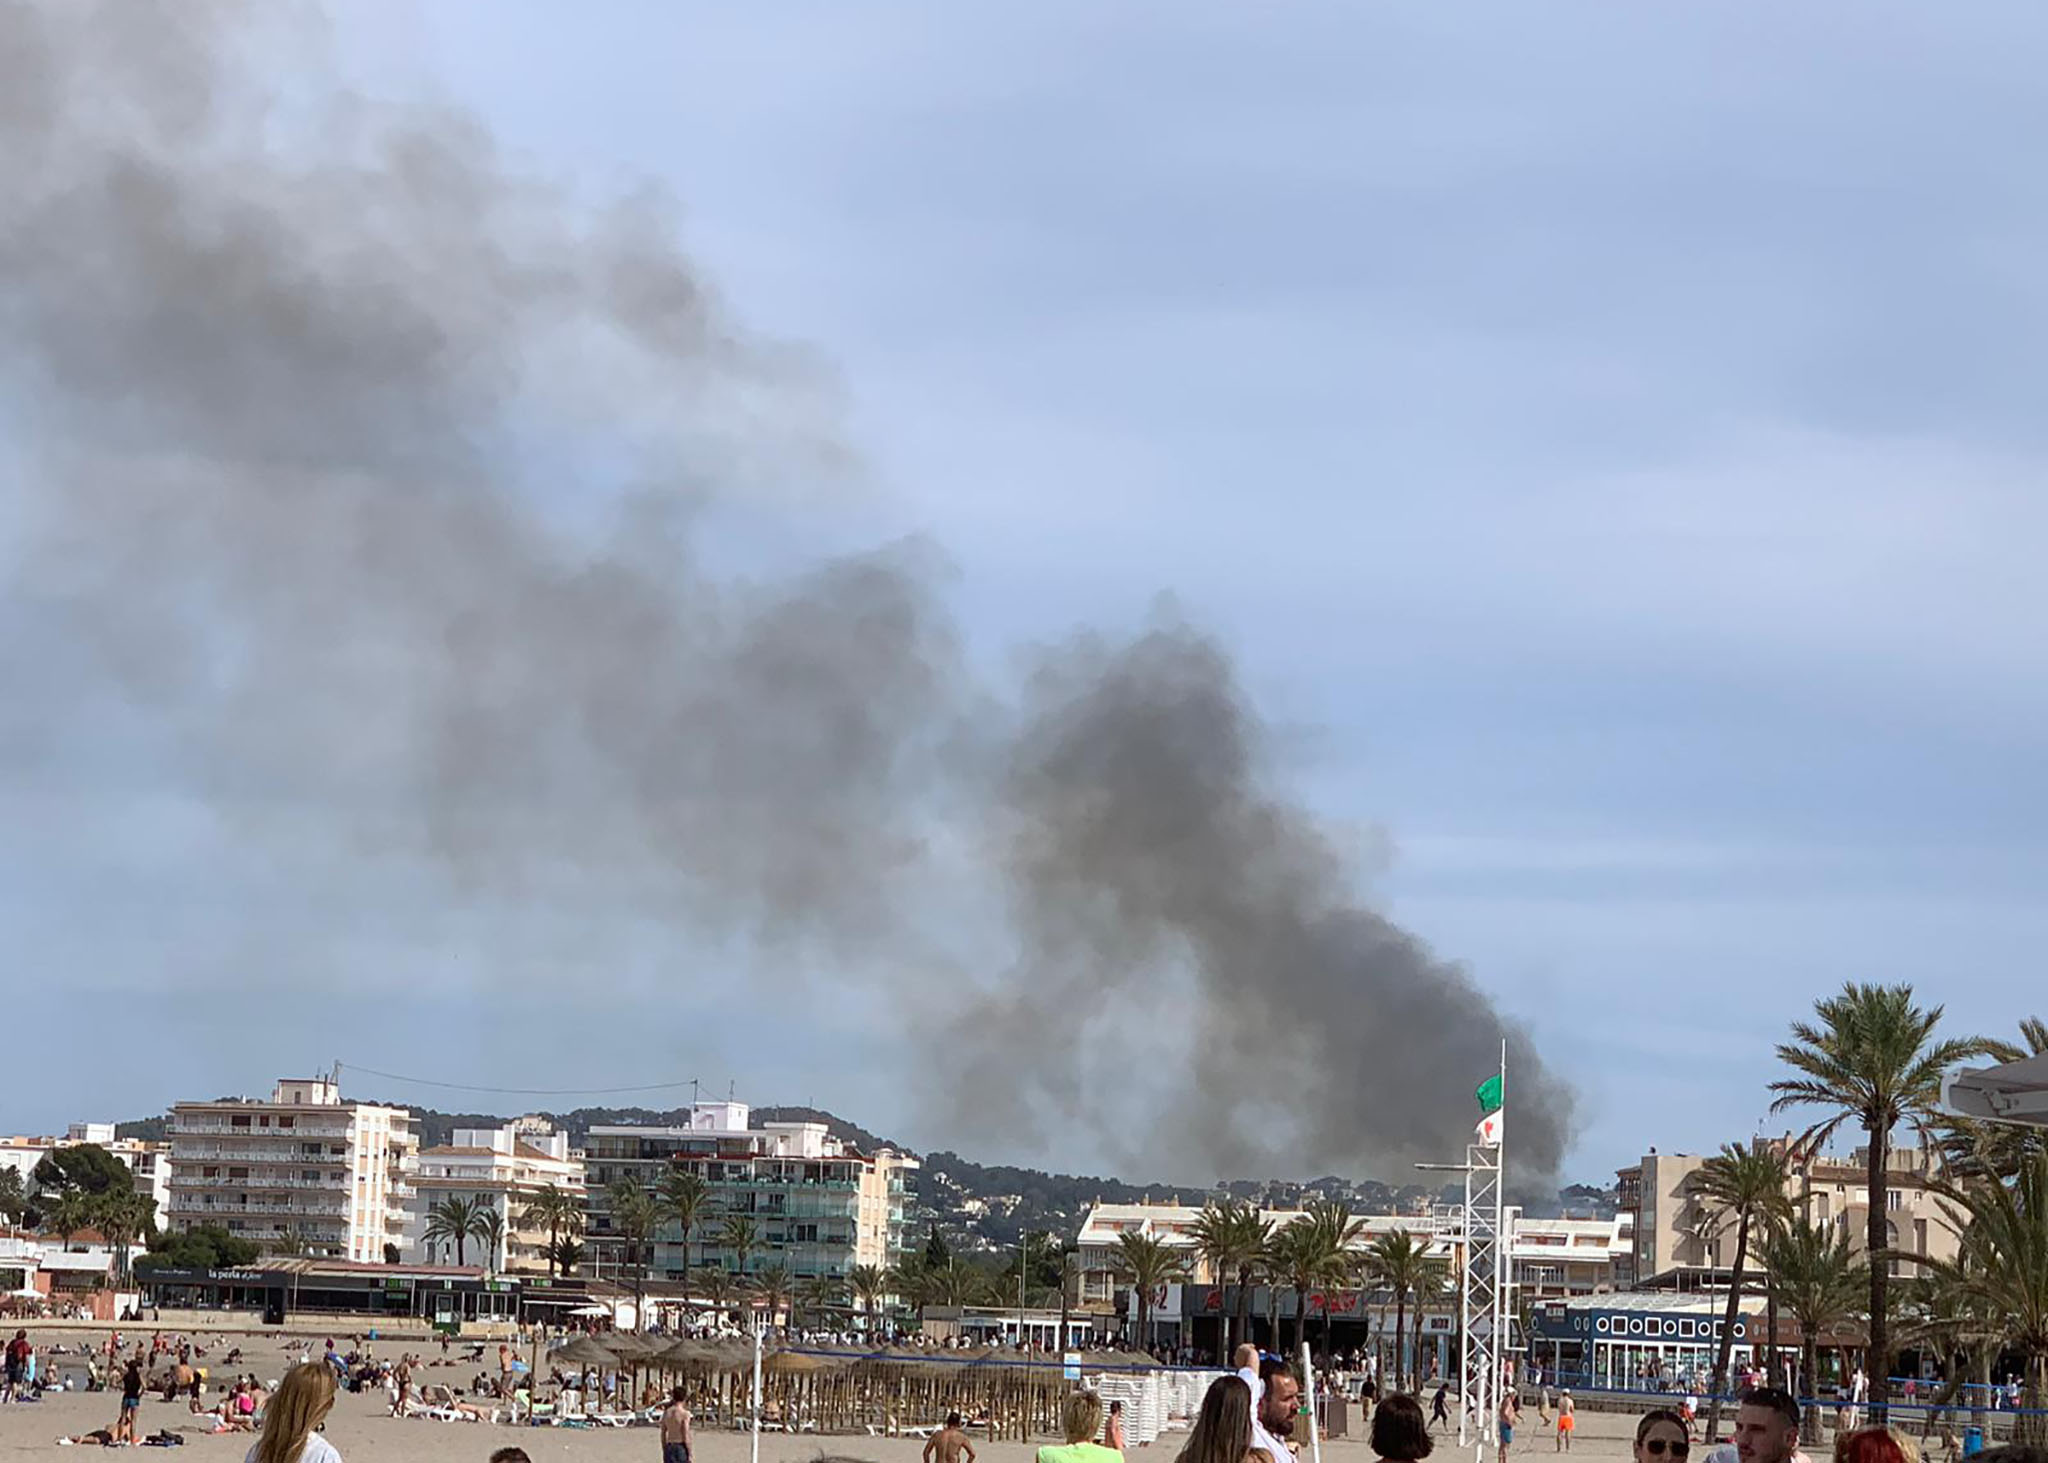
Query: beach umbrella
x,y
584,1351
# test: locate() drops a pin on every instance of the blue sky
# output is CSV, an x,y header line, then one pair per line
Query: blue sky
x,y
1610,438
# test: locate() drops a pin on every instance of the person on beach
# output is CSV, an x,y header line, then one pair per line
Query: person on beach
x,y
1567,1421
1662,1437
1399,1435
675,1429
1113,1430
1080,1424
1222,1431
1766,1430
292,1422
18,1353
510,1455
949,1444
1439,1410
131,1401
1276,1396
1510,1411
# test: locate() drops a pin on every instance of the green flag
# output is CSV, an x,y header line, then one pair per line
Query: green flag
x,y
1489,1095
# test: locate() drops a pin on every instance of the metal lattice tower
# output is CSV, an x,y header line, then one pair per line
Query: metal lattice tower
x,y
1482,1304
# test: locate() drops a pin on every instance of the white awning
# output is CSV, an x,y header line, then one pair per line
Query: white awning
x,y
2016,1092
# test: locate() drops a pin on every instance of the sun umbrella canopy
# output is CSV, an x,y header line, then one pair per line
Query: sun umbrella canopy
x,y
583,1351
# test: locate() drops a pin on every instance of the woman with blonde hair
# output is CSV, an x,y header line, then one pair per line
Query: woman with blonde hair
x,y
292,1421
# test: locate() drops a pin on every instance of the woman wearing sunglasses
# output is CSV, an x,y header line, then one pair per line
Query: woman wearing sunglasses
x,y
1661,1438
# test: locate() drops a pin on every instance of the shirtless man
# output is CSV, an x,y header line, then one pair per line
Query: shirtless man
x,y
675,1429
949,1444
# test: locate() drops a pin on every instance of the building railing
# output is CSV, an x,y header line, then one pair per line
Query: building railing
x,y
256,1181
184,1127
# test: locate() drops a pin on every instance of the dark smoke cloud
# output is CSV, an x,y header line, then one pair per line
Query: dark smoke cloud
x,y
373,466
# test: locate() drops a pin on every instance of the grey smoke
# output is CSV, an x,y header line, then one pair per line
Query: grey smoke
x,y
373,467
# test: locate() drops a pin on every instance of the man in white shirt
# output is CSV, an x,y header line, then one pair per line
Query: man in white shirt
x,y
1276,1397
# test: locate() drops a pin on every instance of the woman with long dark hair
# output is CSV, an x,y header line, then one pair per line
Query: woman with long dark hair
x,y
1223,1428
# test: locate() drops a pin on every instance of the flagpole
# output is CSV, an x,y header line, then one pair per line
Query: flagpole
x,y
1503,1243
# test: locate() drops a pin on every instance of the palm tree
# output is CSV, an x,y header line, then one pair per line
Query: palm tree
x,y
868,1284
455,1218
742,1236
910,1279
489,1230
685,1198
122,1216
70,1212
2004,1263
1746,1186
557,1211
634,1218
1403,1264
564,1252
771,1291
814,1295
1231,1235
1146,1262
1313,1250
1821,1283
714,1283
1872,1058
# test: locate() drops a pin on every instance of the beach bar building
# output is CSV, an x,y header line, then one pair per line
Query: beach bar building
x,y
444,1295
1639,1341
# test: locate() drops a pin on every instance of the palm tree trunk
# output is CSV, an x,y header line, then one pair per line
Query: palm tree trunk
x,y
1300,1316
1244,1304
1400,1333
1877,1360
1809,1363
1727,1348
1771,1367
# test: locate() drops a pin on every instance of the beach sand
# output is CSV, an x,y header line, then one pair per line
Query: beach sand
x,y
361,1429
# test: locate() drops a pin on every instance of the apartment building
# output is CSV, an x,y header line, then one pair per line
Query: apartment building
x,y
300,1172
819,1206
506,1168
1680,1243
148,1162
1550,1257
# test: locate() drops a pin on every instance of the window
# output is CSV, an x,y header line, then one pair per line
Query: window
x,y
1894,1200
1820,1206
239,1122
286,1122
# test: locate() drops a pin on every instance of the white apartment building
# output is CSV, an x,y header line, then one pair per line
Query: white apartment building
x,y
1551,1257
820,1206
505,1168
148,1162
302,1171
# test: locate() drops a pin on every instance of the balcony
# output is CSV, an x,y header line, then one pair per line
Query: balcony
x,y
257,1181
187,1127
399,1218
230,1211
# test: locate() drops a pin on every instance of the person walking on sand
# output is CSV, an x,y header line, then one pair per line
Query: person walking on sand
x,y
292,1421
18,1353
675,1429
131,1402
949,1444
1567,1421
1439,1410
1510,1410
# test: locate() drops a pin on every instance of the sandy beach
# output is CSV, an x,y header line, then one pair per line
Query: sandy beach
x,y
364,1432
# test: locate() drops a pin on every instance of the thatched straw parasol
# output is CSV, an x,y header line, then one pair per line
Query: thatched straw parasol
x,y
583,1351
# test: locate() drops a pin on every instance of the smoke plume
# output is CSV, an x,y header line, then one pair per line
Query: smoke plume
x,y
372,468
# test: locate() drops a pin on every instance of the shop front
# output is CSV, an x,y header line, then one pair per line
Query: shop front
x,y
1661,1344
